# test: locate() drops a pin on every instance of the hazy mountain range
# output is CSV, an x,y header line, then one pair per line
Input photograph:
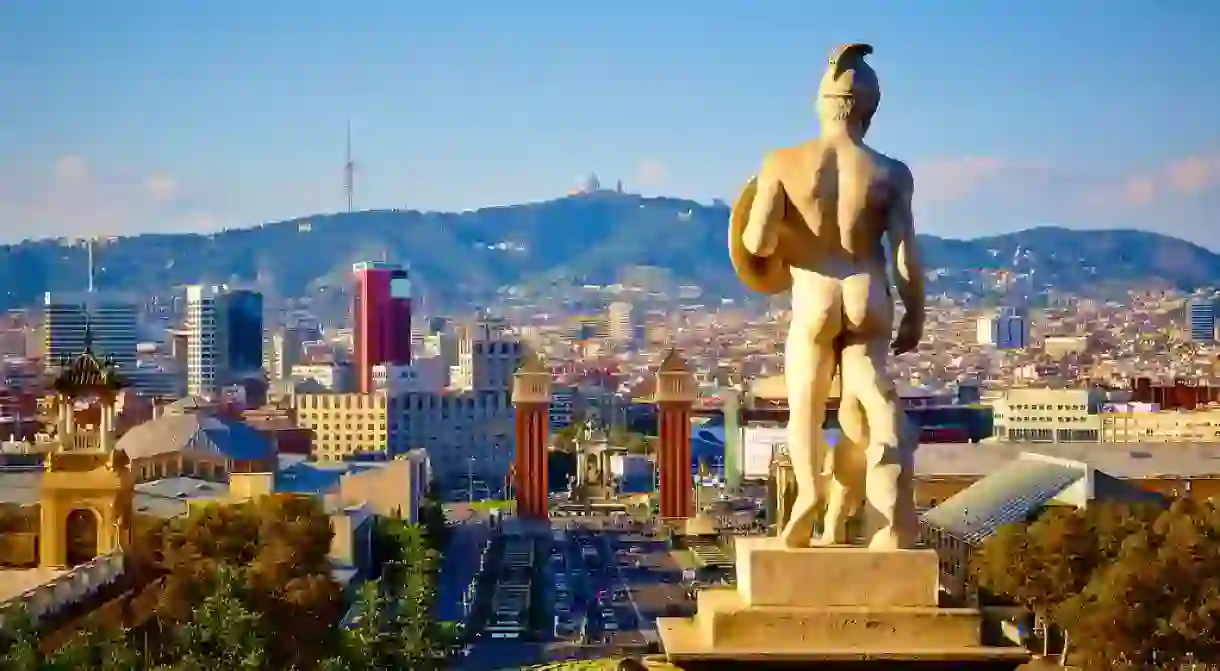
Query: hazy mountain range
x,y
589,237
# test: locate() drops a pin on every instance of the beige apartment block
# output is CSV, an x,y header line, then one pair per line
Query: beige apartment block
x,y
394,489
344,424
1034,415
1058,347
1164,426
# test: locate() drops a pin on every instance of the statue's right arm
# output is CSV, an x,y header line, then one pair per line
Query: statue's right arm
x,y
908,268
761,236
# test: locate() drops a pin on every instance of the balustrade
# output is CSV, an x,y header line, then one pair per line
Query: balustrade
x,y
66,589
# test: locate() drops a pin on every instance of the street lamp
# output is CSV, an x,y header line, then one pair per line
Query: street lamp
x,y
470,481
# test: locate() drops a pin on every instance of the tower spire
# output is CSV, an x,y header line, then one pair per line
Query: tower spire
x,y
88,335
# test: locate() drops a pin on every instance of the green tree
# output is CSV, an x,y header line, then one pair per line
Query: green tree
x,y
19,642
409,584
432,519
1156,604
281,545
223,635
96,650
566,437
1065,556
618,435
366,645
1040,565
638,443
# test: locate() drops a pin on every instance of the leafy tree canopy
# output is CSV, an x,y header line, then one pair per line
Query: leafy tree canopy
x,y
1131,586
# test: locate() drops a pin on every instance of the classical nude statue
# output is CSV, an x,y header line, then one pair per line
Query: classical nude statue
x,y
813,221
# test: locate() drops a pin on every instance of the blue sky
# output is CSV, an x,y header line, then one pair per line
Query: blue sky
x,y
126,116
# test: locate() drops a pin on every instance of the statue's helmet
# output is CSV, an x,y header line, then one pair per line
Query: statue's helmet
x,y
849,88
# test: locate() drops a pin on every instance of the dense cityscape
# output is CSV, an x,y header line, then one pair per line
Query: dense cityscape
x,y
580,433
391,413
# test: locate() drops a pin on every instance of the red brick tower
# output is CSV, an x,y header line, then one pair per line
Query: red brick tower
x,y
676,393
532,400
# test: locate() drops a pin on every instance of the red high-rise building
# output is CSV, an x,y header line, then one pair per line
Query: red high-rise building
x,y
381,319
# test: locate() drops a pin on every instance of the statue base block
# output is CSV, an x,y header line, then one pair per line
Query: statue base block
x,y
841,606
769,574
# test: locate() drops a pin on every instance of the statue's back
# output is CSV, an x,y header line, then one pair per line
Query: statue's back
x,y
838,198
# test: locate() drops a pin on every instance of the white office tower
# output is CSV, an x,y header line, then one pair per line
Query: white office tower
x,y
1009,329
206,350
110,320
621,322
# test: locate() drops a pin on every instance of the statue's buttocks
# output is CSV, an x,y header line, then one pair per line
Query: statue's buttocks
x,y
837,196
814,221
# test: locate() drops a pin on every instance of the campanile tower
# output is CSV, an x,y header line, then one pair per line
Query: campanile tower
x,y
532,402
675,395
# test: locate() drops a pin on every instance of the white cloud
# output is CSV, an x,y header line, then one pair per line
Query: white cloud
x,y
71,169
1177,179
161,188
966,196
952,178
73,198
651,173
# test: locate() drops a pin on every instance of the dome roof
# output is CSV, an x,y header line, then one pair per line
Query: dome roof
x,y
188,431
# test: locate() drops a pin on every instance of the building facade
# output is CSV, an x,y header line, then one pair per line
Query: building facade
x,y
281,352
1130,423
1009,329
621,322
111,321
381,319
345,425
1201,319
563,406
488,365
224,334
1037,415
207,353
334,377
244,337
462,432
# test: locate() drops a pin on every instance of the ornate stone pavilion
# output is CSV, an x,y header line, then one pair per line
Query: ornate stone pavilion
x,y
86,491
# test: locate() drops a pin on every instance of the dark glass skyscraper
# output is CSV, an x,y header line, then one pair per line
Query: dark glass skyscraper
x,y
244,324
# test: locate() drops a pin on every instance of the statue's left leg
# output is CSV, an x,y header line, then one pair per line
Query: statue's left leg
x,y
887,462
846,477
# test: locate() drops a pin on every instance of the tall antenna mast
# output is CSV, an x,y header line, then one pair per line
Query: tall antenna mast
x,y
349,171
89,247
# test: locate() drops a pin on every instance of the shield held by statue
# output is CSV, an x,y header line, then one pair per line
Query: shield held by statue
x,y
769,275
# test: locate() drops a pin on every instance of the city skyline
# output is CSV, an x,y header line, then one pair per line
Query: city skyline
x,y
141,117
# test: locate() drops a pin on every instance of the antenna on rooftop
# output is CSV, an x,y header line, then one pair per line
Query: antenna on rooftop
x,y
89,247
90,243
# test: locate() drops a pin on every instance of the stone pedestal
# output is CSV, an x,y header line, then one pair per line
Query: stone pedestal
x,y
840,605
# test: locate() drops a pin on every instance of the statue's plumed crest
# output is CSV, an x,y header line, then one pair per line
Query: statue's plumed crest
x,y
844,54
